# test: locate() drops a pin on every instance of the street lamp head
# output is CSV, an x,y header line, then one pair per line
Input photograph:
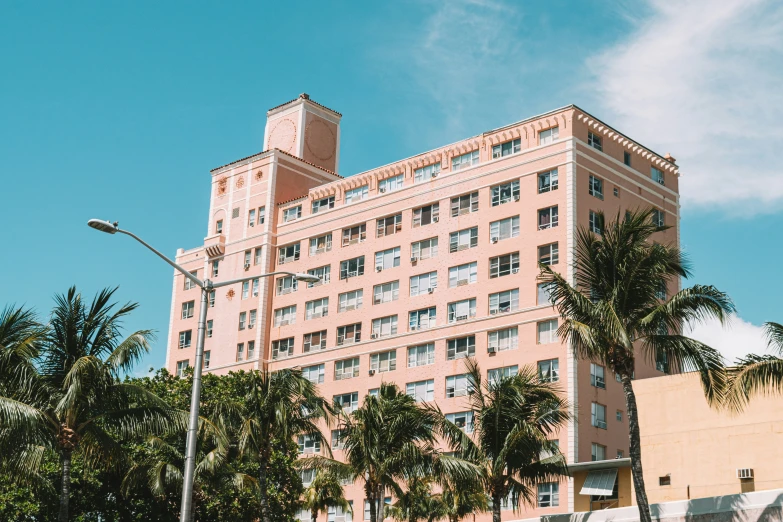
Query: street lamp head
x,y
103,226
307,278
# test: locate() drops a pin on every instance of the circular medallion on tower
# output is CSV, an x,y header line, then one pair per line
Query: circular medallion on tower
x,y
282,136
240,182
222,185
320,140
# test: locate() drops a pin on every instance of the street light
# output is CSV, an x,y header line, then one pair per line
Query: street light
x,y
195,397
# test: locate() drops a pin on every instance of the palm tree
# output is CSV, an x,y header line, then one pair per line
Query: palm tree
x,y
71,399
459,499
758,374
514,421
618,311
325,491
415,502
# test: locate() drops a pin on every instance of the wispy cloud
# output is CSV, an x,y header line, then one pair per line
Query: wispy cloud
x,y
735,340
703,80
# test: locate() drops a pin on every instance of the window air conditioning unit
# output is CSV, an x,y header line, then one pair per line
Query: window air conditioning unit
x,y
493,311
382,190
374,336
491,349
495,239
515,270
516,198
372,372
414,260
435,219
744,473
247,266
435,175
284,322
430,290
378,268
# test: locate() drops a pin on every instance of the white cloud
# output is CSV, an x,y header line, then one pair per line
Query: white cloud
x,y
703,79
735,340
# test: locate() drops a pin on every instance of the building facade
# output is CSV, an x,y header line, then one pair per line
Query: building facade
x,y
422,262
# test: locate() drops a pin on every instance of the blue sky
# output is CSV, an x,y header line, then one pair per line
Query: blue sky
x,y
119,111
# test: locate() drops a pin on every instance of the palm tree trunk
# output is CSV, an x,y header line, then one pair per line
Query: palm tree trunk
x,y
313,515
263,501
369,492
635,450
65,486
496,508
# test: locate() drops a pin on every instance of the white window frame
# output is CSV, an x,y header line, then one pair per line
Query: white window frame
x,y
464,161
549,493
282,348
463,239
547,136
384,326
307,341
355,330
385,292
657,175
504,302
292,214
598,415
543,294
426,173
464,274
288,253
185,339
285,315
391,184
551,215
345,267
547,181
188,307
458,385
462,419
384,229
503,339
456,309
434,215
283,285
320,244
387,259
423,283
504,193
504,228
421,251
324,273
506,264
464,204
322,204
549,370
455,350
507,148
346,369
383,362
315,373
496,374
356,195
359,231
595,141
421,391
597,376
547,331
595,223
421,355
595,187
348,402
425,318
317,308
351,300
308,444
182,366
549,254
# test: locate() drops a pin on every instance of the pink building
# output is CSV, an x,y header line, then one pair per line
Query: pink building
x,y
422,261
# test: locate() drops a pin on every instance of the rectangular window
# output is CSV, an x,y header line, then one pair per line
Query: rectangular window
x,y
498,374
422,391
205,360
458,385
292,214
544,294
662,362
598,415
251,322
314,341
245,289
324,273
219,226
384,361
387,259
314,374
422,355
504,229
384,327
619,415
257,256
338,443
251,217
242,320
349,334
283,348
212,299
388,225
288,254
251,350
316,308
596,223
657,175
545,137
547,181
424,249
320,244
597,376
548,254
505,193
596,187
185,338
463,274
248,255
309,444
547,218
504,265
346,369
505,339
261,215
504,302
464,204
187,309
378,509
356,195
421,319
549,492
549,370
462,310
348,301
507,148
547,331
461,347
426,215
352,267
322,204
285,315
307,476
386,292
463,420
348,402
209,328
240,352
285,285
426,173
354,235
215,268
463,239
181,367
658,217
390,184
190,284
594,141
627,158
465,160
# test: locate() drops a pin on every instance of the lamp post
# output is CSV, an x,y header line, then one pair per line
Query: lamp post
x,y
206,287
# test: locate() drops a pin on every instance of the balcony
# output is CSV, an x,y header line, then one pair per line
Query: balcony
x,y
215,245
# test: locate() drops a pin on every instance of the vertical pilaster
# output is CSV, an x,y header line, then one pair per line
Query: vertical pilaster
x,y
572,454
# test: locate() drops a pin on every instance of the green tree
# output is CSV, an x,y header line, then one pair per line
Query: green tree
x,y
617,310
758,374
459,499
415,502
324,491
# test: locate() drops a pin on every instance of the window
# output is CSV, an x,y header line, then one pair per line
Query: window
x,y
549,370
322,204
388,225
373,392
507,148
658,218
505,339
426,173
212,299
497,374
314,374
355,195
619,415
352,267
504,302
285,315
505,193
185,338
209,328
627,158
324,273
594,141
320,244
190,284
283,348
257,256
347,401
657,175
662,362
390,184
422,391
187,309
545,137
616,192
251,218
463,239
387,259
245,289
544,294
338,440
215,267
464,204
548,254
386,501
261,215
205,360
421,319
219,226
465,160
597,376
314,341
423,284
463,274
503,265
292,214
240,352
598,415
384,361
251,322
386,292
285,285
426,215
547,181
251,350
424,249
549,492
596,187
462,310
665,481
384,326
316,308
547,218
309,444
348,301
346,369
248,254
504,229
181,367
458,385
288,254
547,331
422,355
256,283
596,223
620,454
354,235
307,476
461,347
463,420
350,333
